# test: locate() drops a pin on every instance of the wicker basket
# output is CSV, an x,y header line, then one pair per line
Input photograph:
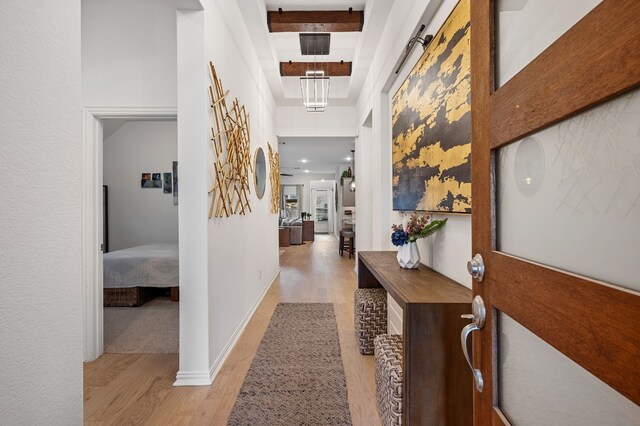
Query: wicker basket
x,y
388,353
127,297
370,316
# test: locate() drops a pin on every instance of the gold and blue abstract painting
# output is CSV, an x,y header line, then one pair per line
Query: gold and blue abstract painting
x,y
431,119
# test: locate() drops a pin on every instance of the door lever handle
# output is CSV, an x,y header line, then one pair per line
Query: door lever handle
x,y
477,374
478,318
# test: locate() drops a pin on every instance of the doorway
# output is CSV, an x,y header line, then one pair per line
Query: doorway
x,y
93,220
140,245
322,207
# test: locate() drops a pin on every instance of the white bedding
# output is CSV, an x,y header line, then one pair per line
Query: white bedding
x,y
150,265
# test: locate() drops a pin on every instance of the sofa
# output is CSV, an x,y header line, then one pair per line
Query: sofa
x,y
295,229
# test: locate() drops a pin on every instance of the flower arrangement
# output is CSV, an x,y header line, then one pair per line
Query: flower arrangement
x,y
417,227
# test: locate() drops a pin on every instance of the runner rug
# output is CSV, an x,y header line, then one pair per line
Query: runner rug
x,y
296,377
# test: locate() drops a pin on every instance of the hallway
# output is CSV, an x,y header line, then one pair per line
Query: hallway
x,y
137,388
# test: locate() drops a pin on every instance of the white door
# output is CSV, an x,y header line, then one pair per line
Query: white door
x,y
323,210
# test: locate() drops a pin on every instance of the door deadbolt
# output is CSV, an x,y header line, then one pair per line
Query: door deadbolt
x,y
475,267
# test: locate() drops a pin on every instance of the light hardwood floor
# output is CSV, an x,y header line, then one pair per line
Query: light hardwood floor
x,y
137,388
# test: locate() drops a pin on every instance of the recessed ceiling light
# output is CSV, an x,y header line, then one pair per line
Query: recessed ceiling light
x,y
304,160
306,171
323,180
348,158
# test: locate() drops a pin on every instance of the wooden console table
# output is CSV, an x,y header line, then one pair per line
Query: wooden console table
x,y
308,230
438,386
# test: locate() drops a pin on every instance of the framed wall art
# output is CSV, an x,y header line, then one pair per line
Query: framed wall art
x,y
167,185
431,119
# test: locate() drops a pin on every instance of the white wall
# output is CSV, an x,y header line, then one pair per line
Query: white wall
x,y
364,189
195,365
242,249
132,54
226,264
140,215
448,251
40,275
305,180
129,53
292,121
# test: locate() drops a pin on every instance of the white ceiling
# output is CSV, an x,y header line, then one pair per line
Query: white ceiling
x,y
323,155
356,47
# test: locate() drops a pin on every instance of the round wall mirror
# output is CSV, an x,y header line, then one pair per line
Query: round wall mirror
x,y
260,172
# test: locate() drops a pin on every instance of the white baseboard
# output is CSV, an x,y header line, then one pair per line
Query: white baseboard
x,y
193,378
205,378
217,364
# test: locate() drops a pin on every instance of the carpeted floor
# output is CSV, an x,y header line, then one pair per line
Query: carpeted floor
x,y
150,328
296,377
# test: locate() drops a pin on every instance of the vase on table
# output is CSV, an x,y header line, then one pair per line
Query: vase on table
x,y
408,255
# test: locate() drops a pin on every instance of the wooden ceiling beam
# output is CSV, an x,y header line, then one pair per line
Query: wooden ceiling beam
x,y
331,69
310,21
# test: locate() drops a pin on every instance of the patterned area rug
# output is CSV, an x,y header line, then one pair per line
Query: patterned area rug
x,y
296,377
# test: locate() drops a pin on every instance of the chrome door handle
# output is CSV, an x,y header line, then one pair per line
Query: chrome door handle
x,y
477,374
475,267
478,318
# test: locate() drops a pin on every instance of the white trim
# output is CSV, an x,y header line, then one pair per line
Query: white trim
x,y
193,378
202,378
133,113
92,317
92,214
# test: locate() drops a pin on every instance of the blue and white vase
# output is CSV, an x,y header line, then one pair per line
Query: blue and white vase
x,y
409,256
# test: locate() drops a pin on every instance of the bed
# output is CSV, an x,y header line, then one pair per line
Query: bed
x,y
135,275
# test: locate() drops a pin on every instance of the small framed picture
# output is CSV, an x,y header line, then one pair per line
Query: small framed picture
x,y
167,183
146,181
156,180
175,183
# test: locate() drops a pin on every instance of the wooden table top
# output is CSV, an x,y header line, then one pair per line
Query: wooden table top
x,y
406,286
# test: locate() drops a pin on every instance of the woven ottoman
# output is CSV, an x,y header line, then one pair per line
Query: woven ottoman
x,y
370,316
388,353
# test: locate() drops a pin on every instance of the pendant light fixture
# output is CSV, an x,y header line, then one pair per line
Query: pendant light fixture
x,y
315,84
315,91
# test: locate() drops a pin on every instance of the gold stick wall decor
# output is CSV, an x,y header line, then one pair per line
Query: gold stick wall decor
x,y
274,179
231,143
